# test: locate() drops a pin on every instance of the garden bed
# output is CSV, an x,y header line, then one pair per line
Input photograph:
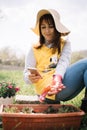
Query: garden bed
x,y
40,116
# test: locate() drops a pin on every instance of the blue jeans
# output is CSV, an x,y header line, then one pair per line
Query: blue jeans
x,y
75,79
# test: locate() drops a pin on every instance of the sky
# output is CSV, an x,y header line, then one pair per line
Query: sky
x,y
18,16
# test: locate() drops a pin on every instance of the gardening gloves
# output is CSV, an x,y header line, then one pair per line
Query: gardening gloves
x,y
55,87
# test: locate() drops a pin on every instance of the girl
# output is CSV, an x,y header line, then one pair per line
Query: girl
x,y
59,81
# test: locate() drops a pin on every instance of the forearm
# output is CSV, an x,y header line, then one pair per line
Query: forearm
x,y
29,62
64,60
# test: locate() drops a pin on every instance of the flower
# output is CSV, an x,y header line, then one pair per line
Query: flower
x,y
8,89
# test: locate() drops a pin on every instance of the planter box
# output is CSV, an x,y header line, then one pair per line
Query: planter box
x,y
39,120
6,101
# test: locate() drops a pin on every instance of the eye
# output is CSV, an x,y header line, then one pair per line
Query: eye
x,y
43,27
51,26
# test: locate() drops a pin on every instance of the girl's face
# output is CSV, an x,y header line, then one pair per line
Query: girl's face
x,y
47,30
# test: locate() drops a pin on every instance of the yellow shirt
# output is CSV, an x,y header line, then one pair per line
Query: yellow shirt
x,y
46,63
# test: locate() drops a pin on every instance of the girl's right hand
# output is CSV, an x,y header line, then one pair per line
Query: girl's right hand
x,y
34,78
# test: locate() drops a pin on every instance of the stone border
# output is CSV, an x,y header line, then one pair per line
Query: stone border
x,y
24,99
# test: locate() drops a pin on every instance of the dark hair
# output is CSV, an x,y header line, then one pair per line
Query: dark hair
x,y
57,42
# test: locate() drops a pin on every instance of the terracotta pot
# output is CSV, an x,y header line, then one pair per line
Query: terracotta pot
x,y
39,120
6,101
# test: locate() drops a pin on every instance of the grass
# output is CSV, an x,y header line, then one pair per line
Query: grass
x,y
17,77
25,89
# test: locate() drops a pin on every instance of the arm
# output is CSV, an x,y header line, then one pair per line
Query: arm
x,y
62,65
29,62
64,60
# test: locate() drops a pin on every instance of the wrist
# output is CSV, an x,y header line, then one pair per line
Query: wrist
x,y
57,78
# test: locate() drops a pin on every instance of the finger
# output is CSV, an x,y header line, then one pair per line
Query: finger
x,y
52,93
33,79
55,90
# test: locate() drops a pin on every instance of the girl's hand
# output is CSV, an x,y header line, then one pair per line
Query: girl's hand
x,y
51,90
56,89
34,78
56,85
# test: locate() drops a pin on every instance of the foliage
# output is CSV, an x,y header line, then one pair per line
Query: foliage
x,y
61,109
8,89
49,110
77,55
14,109
8,56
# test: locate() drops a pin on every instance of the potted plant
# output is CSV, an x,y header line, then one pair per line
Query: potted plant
x,y
7,91
40,116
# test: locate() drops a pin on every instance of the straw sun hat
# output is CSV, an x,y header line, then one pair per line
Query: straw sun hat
x,y
59,26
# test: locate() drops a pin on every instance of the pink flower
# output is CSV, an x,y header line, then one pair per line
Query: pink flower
x,y
10,86
8,89
17,89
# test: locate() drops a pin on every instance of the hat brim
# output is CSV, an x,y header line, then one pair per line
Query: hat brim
x,y
59,26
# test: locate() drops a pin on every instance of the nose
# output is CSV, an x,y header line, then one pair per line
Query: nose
x,y
47,29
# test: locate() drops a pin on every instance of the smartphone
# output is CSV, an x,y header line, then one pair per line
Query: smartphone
x,y
34,71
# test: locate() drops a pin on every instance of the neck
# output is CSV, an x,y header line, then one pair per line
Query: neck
x,y
48,44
